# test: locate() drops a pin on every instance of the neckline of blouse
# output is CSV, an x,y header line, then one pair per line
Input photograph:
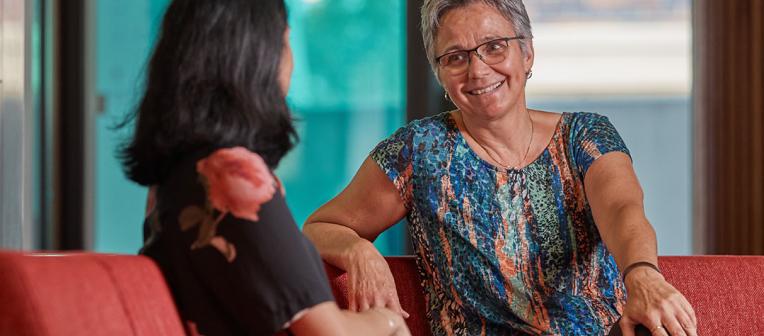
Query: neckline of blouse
x,y
453,127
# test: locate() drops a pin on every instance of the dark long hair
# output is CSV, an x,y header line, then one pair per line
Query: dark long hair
x,y
212,82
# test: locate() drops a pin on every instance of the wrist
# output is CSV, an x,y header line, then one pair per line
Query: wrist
x,y
360,251
639,272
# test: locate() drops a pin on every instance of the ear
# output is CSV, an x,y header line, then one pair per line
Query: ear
x,y
286,34
530,55
286,64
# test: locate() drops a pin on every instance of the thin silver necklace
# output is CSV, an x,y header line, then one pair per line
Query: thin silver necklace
x,y
501,164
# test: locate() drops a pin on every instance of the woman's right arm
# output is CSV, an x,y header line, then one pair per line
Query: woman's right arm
x,y
327,319
342,230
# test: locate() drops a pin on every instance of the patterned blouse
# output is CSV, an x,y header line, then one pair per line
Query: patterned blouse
x,y
507,252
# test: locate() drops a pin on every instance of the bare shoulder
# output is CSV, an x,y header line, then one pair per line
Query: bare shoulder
x,y
545,124
548,120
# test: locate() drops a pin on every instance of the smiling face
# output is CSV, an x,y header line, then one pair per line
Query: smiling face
x,y
486,90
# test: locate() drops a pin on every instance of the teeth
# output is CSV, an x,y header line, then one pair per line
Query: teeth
x,y
486,90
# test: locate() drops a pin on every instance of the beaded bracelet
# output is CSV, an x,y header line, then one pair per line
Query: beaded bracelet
x,y
638,264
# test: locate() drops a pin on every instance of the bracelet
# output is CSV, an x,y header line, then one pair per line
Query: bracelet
x,y
638,264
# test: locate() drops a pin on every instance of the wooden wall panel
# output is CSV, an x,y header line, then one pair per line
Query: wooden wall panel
x,y
729,126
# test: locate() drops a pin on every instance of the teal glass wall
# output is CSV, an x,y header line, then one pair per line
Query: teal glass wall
x,y
125,33
348,93
348,89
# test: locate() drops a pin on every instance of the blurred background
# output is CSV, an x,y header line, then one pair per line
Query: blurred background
x,y
630,61
360,73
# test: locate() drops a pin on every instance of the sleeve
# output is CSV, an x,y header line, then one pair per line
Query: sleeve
x,y
591,136
266,273
395,156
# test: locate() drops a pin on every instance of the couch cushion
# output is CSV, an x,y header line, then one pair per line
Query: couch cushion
x,y
84,294
725,291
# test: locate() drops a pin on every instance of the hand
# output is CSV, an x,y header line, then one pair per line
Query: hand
x,y
370,282
657,305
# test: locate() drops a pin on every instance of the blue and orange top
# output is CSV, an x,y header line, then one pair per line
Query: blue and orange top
x,y
507,251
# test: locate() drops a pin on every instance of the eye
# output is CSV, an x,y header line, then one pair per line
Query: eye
x,y
455,58
495,47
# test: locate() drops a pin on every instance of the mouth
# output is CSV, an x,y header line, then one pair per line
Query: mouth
x,y
487,89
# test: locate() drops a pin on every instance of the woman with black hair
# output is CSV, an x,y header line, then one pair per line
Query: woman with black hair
x,y
210,129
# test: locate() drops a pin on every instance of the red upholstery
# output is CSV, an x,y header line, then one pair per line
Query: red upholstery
x,y
407,282
95,294
726,291
84,294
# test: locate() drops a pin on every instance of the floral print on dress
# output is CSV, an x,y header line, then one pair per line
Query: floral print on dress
x,y
237,182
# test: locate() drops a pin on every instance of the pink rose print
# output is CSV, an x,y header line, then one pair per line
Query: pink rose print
x,y
237,182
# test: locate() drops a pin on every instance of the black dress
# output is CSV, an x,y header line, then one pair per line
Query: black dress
x,y
274,274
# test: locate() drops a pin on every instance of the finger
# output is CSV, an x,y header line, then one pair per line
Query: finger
x,y
655,326
352,294
692,331
363,305
398,309
686,322
361,301
687,307
658,330
627,326
394,304
672,326
685,315
378,302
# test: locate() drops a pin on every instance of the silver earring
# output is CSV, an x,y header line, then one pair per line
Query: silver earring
x,y
445,95
529,74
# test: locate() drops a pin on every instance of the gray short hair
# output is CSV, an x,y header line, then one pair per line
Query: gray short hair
x,y
433,10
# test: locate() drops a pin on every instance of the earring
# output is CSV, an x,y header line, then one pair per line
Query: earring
x,y
445,95
529,74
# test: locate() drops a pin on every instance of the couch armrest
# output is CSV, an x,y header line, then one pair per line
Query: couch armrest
x,y
408,284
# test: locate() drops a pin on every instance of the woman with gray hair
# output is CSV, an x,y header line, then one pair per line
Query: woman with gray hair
x,y
523,221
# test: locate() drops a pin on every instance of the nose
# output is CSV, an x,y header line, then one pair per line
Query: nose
x,y
477,67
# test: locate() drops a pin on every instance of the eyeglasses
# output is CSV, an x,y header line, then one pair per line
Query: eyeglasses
x,y
491,52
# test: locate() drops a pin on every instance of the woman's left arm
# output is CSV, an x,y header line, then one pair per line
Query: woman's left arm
x,y
616,200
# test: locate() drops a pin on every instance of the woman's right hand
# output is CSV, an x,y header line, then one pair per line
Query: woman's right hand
x,y
394,320
326,319
370,282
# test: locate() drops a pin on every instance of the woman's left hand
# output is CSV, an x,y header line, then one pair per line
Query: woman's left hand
x,y
657,305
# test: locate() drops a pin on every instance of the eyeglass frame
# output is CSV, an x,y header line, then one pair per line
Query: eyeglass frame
x,y
475,50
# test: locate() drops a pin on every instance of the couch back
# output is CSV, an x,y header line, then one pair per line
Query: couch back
x,y
725,291
94,294
84,294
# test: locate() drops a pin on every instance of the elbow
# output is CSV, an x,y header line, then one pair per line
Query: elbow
x,y
309,228
628,209
313,225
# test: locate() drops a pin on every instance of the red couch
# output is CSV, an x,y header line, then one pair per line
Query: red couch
x,y
726,291
84,294
94,294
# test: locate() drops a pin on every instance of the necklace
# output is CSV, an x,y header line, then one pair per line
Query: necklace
x,y
505,166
